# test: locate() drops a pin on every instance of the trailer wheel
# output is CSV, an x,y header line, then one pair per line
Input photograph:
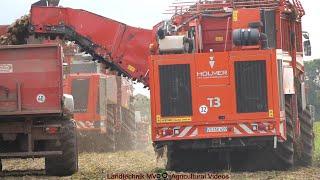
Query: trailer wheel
x,y
67,163
307,138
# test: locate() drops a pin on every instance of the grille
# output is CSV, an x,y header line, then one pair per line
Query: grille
x,y
251,86
80,91
175,90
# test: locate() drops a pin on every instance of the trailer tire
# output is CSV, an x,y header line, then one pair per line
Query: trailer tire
x,y
307,138
67,163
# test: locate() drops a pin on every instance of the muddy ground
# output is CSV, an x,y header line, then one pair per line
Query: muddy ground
x,y
99,166
143,162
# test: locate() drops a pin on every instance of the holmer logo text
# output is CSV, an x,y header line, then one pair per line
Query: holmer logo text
x,y
212,74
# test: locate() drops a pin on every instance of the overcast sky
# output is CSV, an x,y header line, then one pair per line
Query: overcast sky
x,y
145,14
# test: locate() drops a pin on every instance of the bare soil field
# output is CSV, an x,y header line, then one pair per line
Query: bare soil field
x,y
144,163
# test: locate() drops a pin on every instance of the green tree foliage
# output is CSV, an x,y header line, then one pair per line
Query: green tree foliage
x,y
312,69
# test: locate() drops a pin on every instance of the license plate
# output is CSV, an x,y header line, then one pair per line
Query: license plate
x,y
217,129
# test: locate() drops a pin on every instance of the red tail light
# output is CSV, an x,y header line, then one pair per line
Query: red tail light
x,y
262,127
52,130
167,132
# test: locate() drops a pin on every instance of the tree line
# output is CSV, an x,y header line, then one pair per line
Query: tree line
x,y
312,78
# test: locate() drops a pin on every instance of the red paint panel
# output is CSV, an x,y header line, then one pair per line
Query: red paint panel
x,y
30,79
242,17
216,91
127,47
3,29
93,94
215,35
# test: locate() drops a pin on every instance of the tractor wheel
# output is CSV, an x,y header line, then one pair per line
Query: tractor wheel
x,y
281,158
284,152
307,138
67,163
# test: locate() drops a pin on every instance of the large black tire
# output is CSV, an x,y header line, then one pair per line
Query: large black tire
x,y
268,158
307,138
284,153
67,163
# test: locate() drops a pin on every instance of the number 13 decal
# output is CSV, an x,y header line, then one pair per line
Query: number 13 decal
x,y
214,102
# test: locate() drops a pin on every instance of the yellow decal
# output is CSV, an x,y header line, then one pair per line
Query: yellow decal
x,y
219,38
172,120
131,68
271,113
235,16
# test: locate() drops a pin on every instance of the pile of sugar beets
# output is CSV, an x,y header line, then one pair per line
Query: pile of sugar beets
x,y
17,32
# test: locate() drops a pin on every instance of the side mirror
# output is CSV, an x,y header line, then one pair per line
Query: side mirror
x,y
305,35
306,43
307,48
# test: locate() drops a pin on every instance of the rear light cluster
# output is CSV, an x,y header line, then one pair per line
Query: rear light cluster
x,y
52,130
262,127
169,131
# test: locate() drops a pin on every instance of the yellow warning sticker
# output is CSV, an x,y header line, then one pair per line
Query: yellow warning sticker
x,y
271,113
172,120
235,16
219,38
131,68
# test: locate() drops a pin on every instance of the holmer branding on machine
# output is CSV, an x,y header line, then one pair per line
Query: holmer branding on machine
x,y
212,74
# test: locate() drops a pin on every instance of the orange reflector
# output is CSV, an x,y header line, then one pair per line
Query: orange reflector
x,y
270,126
